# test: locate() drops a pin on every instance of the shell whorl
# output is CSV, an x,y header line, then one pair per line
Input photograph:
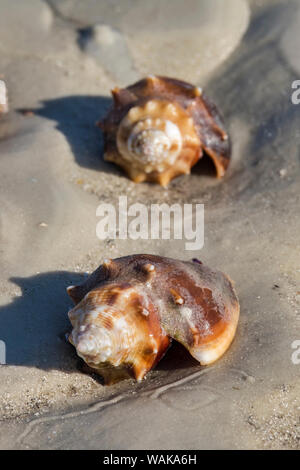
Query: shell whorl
x,y
114,327
96,330
151,137
154,143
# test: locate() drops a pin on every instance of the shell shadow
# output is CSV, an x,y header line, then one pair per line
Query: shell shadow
x,y
76,117
33,324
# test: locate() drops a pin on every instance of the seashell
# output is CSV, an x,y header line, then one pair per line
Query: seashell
x,y
159,127
3,98
128,311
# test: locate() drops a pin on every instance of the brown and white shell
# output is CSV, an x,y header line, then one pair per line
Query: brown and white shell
x,y
128,311
159,127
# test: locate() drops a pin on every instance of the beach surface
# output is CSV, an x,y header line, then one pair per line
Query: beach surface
x,y
59,60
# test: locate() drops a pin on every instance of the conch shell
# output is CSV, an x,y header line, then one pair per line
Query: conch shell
x,y
158,128
130,308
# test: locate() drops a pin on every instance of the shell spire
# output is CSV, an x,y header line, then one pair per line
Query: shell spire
x,y
159,127
126,316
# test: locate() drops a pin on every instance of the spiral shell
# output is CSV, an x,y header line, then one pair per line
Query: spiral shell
x,y
158,128
128,311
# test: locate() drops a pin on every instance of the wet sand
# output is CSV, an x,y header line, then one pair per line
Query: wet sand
x,y
52,178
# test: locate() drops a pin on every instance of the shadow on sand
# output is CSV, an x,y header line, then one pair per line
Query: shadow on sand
x,y
33,326
76,117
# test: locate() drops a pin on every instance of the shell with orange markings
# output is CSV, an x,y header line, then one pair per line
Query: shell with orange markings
x,y
128,311
158,128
